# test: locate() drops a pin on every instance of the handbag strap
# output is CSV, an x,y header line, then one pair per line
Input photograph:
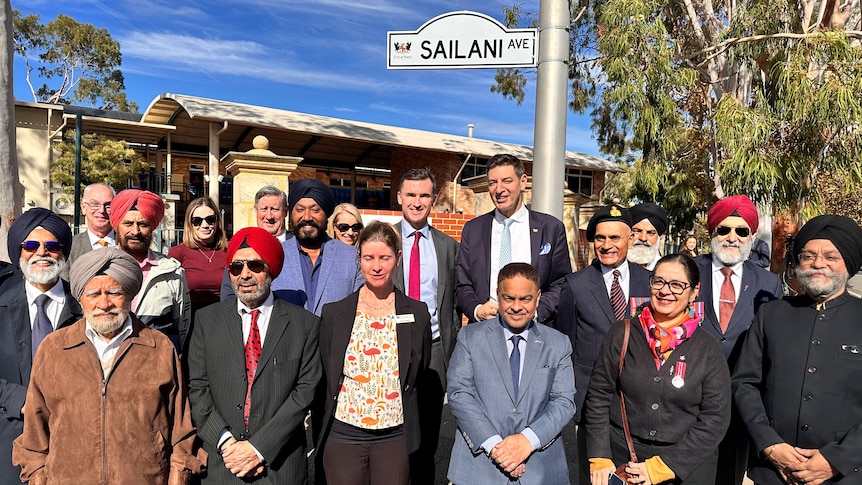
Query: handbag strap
x,y
625,348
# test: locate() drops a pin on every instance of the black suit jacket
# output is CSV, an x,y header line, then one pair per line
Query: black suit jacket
x,y
474,262
448,317
585,315
16,361
282,393
414,356
758,286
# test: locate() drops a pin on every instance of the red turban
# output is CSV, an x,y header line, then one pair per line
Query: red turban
x,y
266,245
147,203
737,205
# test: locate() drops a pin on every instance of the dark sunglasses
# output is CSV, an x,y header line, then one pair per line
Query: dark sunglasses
x,y
50,246
254,265
740,231
344,227
211,220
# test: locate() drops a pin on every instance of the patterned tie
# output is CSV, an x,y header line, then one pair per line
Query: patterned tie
x,y
42,325
618,299
515,362
252,357
506,243
726,300
102,242
413,280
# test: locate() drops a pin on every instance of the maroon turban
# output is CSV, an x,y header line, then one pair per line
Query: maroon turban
x,y
266,245
147,203
735,205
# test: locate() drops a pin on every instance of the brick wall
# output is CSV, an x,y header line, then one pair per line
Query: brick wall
x,y
444,166
450,224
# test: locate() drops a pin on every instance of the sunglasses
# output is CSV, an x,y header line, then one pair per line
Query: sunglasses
x,y
254,265
211,220
725,230
50,246
345,227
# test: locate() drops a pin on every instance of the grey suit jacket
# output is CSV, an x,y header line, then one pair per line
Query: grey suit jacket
x,y
448,317
282,392
482,399
16,362
80,246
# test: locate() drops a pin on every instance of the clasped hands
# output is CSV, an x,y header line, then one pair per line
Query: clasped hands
x,y
510,455
637,471
240,458
800,466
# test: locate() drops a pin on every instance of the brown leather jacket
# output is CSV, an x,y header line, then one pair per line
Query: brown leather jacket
x,y
133,427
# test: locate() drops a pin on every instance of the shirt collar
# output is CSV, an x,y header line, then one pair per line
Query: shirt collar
x,y
623,269
125,331
149,260
520,215
109,237
717,265
508,333
265,306
407,230
56,293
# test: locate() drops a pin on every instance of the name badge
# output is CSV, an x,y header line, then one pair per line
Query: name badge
x,y
406,318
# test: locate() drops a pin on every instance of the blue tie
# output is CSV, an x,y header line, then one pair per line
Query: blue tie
x,y
506,243
42,325
515,362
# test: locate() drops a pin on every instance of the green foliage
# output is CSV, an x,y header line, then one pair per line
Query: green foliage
x,y
79,61
102,160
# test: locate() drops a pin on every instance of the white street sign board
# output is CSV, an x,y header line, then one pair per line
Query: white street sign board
x,y
461,40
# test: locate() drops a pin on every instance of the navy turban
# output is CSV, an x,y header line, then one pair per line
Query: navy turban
x,y
33,218
841,231
652,212
314,189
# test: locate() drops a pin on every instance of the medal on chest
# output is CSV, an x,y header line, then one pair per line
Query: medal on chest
x,y
679,373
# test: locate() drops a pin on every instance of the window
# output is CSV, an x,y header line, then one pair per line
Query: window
x,y
474,168
579,181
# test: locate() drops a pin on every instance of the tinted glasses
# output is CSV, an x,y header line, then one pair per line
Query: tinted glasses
x,y
211,220
50,246
725,230
345,227
254,265
676,287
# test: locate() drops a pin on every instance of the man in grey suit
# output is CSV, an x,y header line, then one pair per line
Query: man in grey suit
x,y
426,273
253,369
511,389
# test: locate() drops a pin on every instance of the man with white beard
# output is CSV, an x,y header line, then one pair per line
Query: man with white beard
x,y
650,224
35,301
732,289
799,375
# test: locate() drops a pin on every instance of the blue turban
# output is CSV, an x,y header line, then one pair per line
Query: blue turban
x,y
314,189
33,218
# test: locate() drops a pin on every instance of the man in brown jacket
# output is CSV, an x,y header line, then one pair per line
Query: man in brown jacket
x,y
106,402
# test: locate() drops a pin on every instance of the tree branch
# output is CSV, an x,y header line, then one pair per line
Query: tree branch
x,y
728,43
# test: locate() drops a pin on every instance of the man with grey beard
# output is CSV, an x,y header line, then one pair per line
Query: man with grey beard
x,y
799,376
732,289
34,302
650,224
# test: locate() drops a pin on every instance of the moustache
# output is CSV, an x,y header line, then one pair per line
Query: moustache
x,y
41,259
308,224
728,244
106,312
642,243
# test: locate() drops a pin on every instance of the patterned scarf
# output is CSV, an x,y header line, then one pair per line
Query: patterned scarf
x,y
661,340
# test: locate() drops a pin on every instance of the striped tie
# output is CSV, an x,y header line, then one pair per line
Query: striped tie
x,y
506,243
618,299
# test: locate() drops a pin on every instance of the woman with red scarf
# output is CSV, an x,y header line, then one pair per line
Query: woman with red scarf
x,y
675,384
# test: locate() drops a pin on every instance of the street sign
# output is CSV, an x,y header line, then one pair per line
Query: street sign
x,y
461,40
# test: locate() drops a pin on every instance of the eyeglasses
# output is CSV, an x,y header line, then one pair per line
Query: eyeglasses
x,y
94,206
211,220
676,287
345,227
740,231
808,258
254,265
50,246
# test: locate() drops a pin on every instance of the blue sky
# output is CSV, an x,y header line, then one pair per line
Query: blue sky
x,y
324,57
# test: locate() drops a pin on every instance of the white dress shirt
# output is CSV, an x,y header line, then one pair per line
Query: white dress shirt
x,y
521,251
718,280
54,307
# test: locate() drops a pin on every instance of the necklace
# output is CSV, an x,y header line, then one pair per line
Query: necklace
x,y
378,308
210,257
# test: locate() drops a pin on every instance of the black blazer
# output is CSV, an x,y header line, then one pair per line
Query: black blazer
x,y
585,315
414,356
282,393
16,362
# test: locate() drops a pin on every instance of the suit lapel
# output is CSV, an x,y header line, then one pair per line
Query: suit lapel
x,y
278,322
487,228
326,267
398,274
443,264
500,354
71,309
535,239
744,301
404,332
600,293
705,267
344,317
531,360
23,333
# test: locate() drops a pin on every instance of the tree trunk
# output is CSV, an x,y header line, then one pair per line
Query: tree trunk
x,y
10,200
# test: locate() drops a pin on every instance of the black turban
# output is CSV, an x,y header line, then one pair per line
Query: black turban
x,y
33,218
608,213
841,231
654,213
314,189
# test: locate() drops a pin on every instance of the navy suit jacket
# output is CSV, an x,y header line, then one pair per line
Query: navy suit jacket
x,y
16,362
483,401
474,262
585,315
758,286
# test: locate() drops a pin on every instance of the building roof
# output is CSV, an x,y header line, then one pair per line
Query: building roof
x,y
319,137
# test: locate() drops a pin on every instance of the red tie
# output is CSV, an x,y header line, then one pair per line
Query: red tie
x,y
726,300
252,357
413,280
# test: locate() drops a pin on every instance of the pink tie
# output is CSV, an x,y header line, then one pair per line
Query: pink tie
x,y
726,300
252,357
413,280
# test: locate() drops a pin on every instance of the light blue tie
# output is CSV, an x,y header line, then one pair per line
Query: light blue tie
x,y
506,243
515,362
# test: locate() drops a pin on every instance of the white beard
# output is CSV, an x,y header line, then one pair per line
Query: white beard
x,y
640,254
39,276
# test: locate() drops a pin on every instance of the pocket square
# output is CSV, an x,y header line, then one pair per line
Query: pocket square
x,y
545,248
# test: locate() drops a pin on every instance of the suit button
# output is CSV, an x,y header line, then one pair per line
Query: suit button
x,y
805,427
657,378
514,410
723,340
652,432
812,369
815,342
239,406
654,406
808,397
